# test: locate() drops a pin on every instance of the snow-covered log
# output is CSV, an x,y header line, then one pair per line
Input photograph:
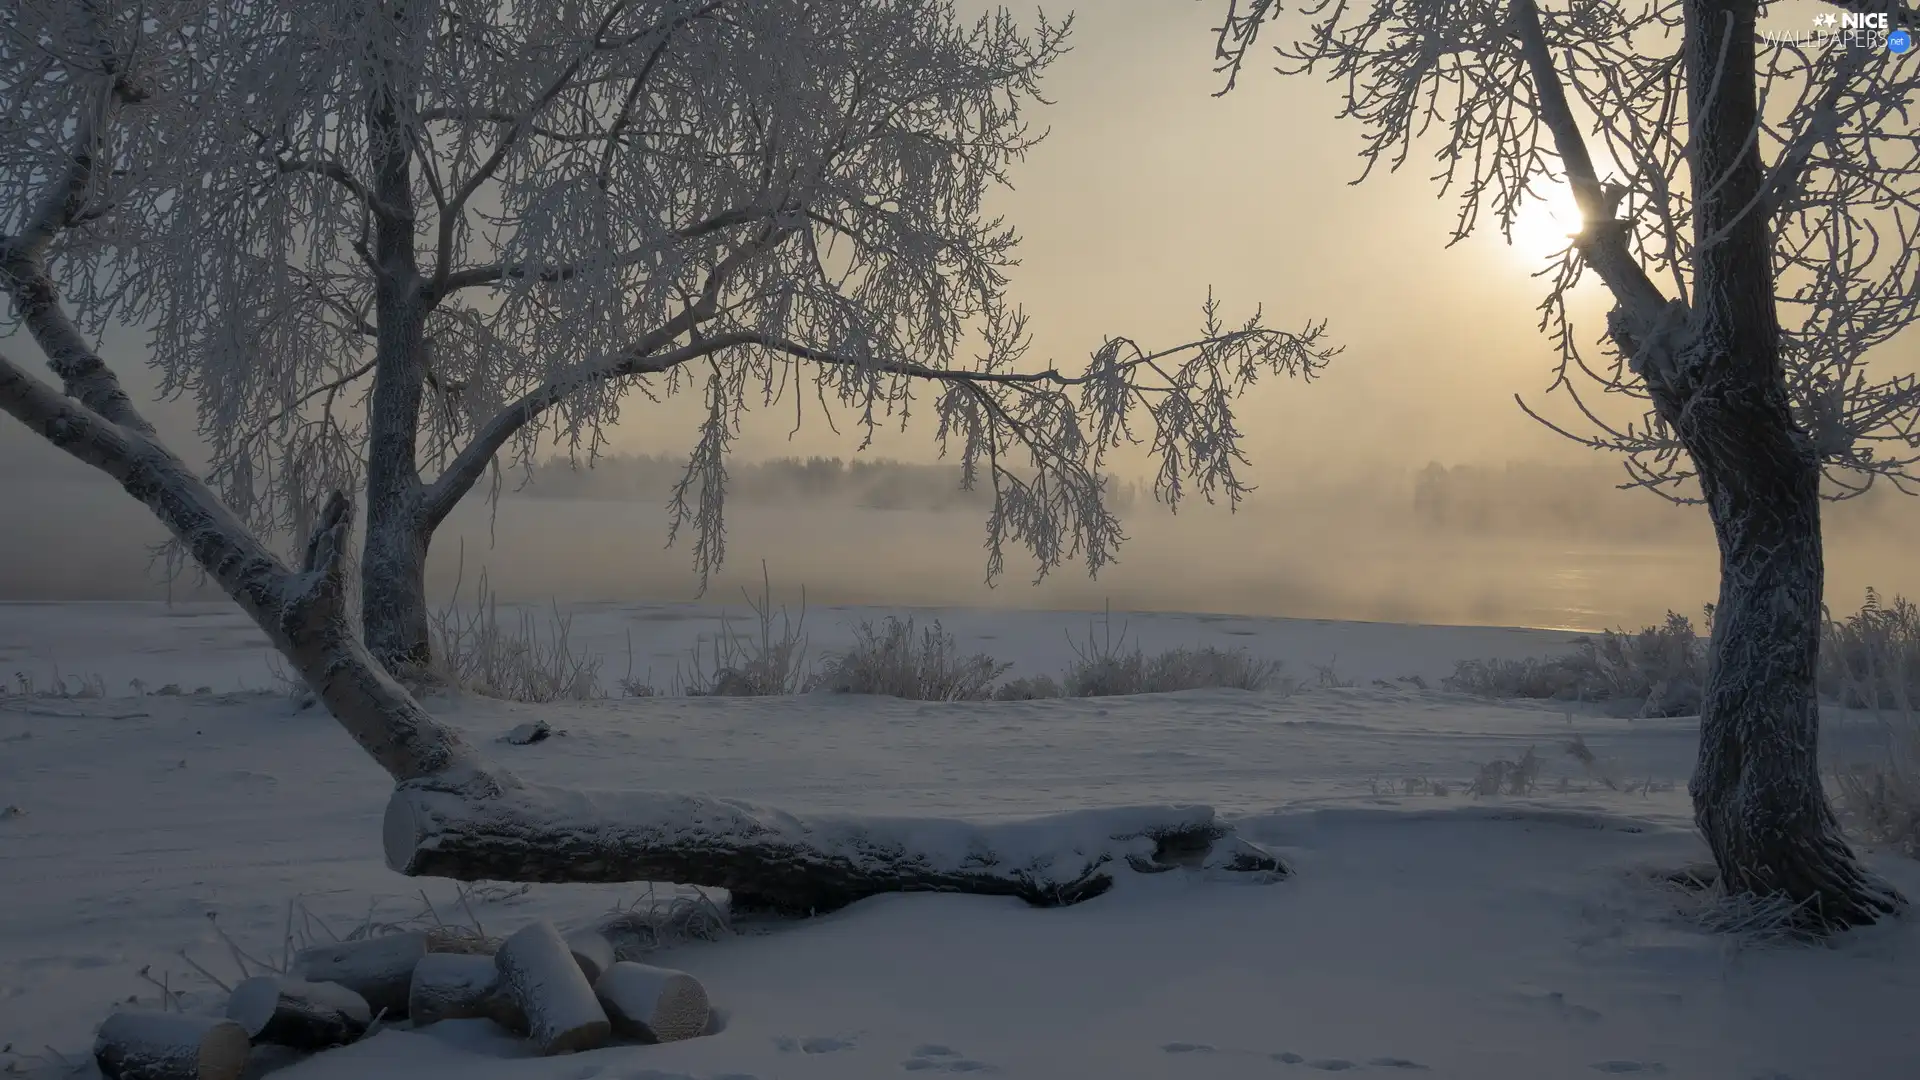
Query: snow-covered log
x,y
461,986
538,973
773,860
380,969
592,950
652,1004
140,1044
297,1013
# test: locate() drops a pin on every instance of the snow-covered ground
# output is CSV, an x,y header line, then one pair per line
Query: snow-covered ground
x,y
1495,938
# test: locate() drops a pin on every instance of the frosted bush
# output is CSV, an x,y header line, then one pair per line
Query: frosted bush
x,y
895,661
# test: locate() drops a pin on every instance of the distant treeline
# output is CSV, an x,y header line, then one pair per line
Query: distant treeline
x,y
874,483
1587,501
1520,498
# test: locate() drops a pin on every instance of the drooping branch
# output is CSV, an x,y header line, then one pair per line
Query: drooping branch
x,y
23,273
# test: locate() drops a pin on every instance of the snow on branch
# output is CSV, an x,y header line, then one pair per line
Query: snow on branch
x,y
1515,98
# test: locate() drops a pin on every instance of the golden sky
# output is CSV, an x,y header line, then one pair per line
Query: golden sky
x,y
1149,189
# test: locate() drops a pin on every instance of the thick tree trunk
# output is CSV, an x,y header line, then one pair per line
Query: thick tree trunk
x,y
1756,788
393,587
394,561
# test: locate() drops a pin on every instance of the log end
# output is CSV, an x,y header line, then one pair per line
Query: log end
x,y
402,830
653,1004
137,1044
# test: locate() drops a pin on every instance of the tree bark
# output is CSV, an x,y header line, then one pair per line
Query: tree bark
x,y
1756,788
393,565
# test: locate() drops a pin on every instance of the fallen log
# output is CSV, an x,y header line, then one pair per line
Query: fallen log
x,y
652,1004
460,986
298,1014
507,830
139,1044
539,974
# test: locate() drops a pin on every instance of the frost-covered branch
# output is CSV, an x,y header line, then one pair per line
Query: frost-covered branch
x,y
23,254
1516,98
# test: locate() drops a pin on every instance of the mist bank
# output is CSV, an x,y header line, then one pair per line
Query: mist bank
x,y
1477,545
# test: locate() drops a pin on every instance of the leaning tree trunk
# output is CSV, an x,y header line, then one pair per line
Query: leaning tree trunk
x,y
1756,788
452,814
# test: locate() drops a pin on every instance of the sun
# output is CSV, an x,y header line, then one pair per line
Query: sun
x,y
1543,224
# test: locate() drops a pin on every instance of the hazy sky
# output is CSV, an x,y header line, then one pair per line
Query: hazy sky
x,y
1149,190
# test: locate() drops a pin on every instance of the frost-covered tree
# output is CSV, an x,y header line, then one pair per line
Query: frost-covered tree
x,y
1752,207
390,245
374,237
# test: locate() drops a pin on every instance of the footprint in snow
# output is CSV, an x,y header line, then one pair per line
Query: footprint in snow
x,y
818,1044
1186,1048
934,1057
1628,1067
1396,1063
1332,1064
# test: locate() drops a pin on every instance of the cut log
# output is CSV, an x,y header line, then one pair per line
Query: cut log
x,y
538,973
298,1014
147,1045
380,969
461,986
772,860
653,1004
592,950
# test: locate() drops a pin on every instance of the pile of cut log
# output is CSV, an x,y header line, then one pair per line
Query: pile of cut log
x,y
563,993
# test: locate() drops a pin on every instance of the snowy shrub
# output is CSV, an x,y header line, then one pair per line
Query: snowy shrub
x,y
1659,671
58,686
1880,801
1503,777
894,661
771,661
1871,659
1103,666
1175,669
473,650
1028,688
